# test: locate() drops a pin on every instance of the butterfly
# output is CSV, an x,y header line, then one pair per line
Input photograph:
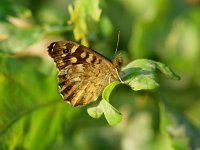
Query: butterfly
x,y
82,72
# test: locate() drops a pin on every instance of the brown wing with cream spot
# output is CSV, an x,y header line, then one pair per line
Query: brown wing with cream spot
x,y
83,73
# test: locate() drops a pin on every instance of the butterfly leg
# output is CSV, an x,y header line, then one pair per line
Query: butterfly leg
x,y
118,76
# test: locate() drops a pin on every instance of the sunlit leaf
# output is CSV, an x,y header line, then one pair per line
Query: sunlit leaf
x,y
95,111
107,91
141,74
166,71
112,115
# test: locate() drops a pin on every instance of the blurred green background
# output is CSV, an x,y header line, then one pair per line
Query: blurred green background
x,y
33,115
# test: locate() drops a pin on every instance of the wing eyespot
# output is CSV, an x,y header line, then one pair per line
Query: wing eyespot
x,y
66,50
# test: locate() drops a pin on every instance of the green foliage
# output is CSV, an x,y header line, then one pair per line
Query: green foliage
x,y
182,133
84,12
141,74
112,115
33,114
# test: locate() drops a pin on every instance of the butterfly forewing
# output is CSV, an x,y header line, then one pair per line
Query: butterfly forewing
x,y
83,73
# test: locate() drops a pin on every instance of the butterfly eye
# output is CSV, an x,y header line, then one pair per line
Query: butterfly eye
x,y
66,50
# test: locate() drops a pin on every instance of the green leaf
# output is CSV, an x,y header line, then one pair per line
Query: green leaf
x,y
179,129
20,91
19,39
108,89
141,74
95,111
112,115
166,71
29,97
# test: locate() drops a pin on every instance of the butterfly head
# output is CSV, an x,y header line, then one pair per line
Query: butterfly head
x,y
117,62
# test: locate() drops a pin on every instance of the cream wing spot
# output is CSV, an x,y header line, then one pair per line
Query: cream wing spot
x,y
83,55
90,58
73,60
64,55
74,48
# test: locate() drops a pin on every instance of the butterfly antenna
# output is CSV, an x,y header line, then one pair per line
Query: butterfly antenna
x,y
117,42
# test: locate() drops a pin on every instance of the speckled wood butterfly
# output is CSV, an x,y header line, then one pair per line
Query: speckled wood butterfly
x,y
83,73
